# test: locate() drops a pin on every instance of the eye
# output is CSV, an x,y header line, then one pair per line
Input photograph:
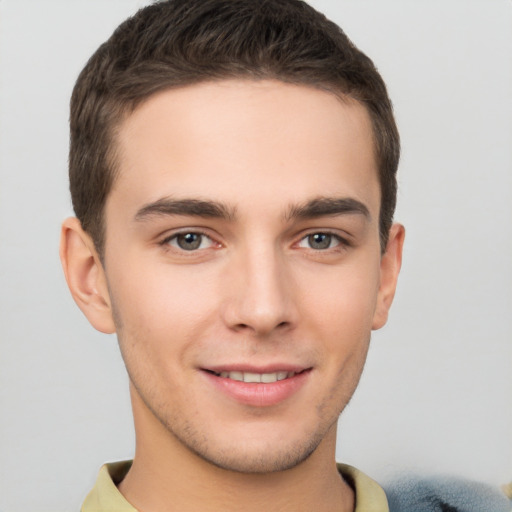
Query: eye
x,y
190,241
320,241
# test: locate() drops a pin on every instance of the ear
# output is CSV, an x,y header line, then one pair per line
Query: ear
x,y
390,264
85,275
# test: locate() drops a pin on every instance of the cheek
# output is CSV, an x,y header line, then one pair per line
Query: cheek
x,y
158,316
344,301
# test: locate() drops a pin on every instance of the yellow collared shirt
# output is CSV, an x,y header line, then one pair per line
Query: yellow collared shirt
x,y
105,497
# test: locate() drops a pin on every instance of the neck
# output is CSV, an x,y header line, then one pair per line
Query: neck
x,y
166,476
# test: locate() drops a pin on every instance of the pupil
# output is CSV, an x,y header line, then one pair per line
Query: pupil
x,y
319,241
189,241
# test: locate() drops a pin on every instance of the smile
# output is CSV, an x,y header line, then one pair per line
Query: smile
x,y
265,378
258,389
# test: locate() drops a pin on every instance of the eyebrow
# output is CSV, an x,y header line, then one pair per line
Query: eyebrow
x,y
328,206
190,207
318,207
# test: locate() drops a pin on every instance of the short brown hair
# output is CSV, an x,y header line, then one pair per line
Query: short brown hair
x,y
176,43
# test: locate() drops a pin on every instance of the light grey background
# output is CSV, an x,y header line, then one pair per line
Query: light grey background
x,y
436,393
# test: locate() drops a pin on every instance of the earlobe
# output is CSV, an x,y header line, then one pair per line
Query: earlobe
x,y
390,264
85,275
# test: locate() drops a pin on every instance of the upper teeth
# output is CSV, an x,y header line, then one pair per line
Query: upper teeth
x,y
257,377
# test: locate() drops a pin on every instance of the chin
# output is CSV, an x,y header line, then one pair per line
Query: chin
x,y
250,452
267,460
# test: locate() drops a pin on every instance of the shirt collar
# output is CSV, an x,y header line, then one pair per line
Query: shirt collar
x,y
105,496
369,495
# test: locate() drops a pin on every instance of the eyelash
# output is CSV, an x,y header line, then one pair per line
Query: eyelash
x,y
340,241
166,241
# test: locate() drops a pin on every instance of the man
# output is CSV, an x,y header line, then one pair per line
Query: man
x,y
232,169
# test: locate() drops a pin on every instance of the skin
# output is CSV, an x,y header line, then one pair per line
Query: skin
x,y
257,173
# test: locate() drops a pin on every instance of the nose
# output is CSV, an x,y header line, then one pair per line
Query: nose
x,y
259,296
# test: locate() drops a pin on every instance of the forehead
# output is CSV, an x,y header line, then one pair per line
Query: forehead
x,y
241,141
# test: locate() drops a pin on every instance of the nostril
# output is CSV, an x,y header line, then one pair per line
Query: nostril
x,y
247,326
241,327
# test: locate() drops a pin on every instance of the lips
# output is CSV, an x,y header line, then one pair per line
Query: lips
x,y
265,378
265,387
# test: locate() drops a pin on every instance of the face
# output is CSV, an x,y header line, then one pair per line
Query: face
x,y
243,266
